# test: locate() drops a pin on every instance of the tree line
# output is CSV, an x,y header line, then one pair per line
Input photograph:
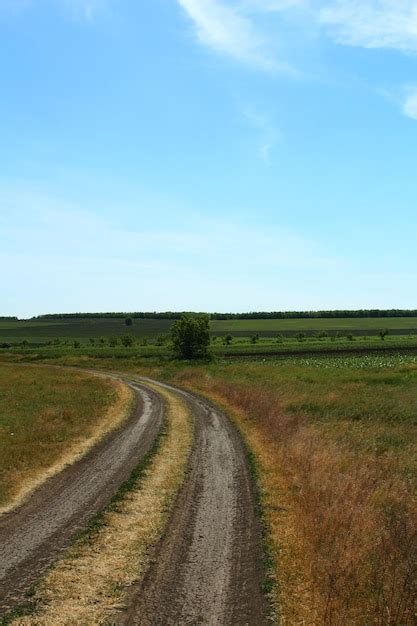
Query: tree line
x,y
254,315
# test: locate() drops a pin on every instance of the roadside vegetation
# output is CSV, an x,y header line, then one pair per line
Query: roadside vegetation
x,y
337,454
48,417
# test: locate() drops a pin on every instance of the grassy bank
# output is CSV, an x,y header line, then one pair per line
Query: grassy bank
x,y
47,418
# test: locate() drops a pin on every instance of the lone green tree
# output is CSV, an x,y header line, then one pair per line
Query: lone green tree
x,y
128,321
191,335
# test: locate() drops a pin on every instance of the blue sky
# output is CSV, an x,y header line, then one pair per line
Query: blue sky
x,y
207,155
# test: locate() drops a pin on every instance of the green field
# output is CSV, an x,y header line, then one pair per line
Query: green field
x,y
46,330
366,324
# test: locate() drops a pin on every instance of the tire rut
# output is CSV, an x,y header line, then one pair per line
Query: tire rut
x,y
33,535
208,566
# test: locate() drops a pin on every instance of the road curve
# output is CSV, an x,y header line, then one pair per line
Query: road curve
x,y
33,535
208,566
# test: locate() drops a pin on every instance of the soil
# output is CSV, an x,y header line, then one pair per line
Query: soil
x,y
208,567
33,535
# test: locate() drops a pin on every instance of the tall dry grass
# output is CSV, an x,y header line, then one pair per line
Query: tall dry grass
x,y
344,524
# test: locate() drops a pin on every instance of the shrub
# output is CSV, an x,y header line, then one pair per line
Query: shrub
x,y
127,341
228,340
191,335
301,336
254,338
128,321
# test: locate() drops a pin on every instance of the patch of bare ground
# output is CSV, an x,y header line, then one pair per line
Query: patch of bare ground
x,y
89,583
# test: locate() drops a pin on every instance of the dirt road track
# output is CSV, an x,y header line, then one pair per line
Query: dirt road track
x,y
207,569
208,566
33,535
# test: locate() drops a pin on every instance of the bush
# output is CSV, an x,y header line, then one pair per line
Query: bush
x,y
383,333
254,338
128,321
191,335
228,340
301,336
127,341
279,338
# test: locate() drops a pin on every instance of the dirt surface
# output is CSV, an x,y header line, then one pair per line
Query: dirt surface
x,y
208,567
33,535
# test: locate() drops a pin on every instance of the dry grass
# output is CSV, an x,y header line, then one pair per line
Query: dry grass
x,y
339,493
89,583
48,419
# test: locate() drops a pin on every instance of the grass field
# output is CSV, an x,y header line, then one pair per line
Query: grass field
x,y
46,415
42,331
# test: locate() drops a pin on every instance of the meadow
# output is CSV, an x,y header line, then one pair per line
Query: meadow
x,y
47,415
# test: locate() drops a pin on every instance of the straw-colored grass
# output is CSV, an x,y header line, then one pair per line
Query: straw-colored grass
x,y
89,584
49,417
337,459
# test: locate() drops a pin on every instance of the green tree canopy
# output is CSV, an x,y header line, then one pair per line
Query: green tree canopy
x,y
191,335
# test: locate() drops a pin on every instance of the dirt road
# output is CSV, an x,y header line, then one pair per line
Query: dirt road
x,y
208,566
207,569
33,535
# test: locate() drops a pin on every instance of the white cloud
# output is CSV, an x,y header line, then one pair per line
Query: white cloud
x,y
226,30
410,104
372,23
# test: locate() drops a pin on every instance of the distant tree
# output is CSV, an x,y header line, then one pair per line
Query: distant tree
x,y
228,340
322,334
279,338
76,344
301,336
254,338
25,343
349,337
127,341
191,335
113,341
102,340
92,341
383,333
128,321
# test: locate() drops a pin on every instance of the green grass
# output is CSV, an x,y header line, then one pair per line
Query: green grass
x,y
42,412
295,325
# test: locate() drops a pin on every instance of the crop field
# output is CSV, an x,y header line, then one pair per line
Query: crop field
x,y
44,414
82,329
344,325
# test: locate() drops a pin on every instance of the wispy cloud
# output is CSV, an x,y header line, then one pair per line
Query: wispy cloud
x,y
269,135
372,23
227,30
410,103
84,10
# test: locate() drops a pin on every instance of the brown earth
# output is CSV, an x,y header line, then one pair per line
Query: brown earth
x,y
33,535
208,567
